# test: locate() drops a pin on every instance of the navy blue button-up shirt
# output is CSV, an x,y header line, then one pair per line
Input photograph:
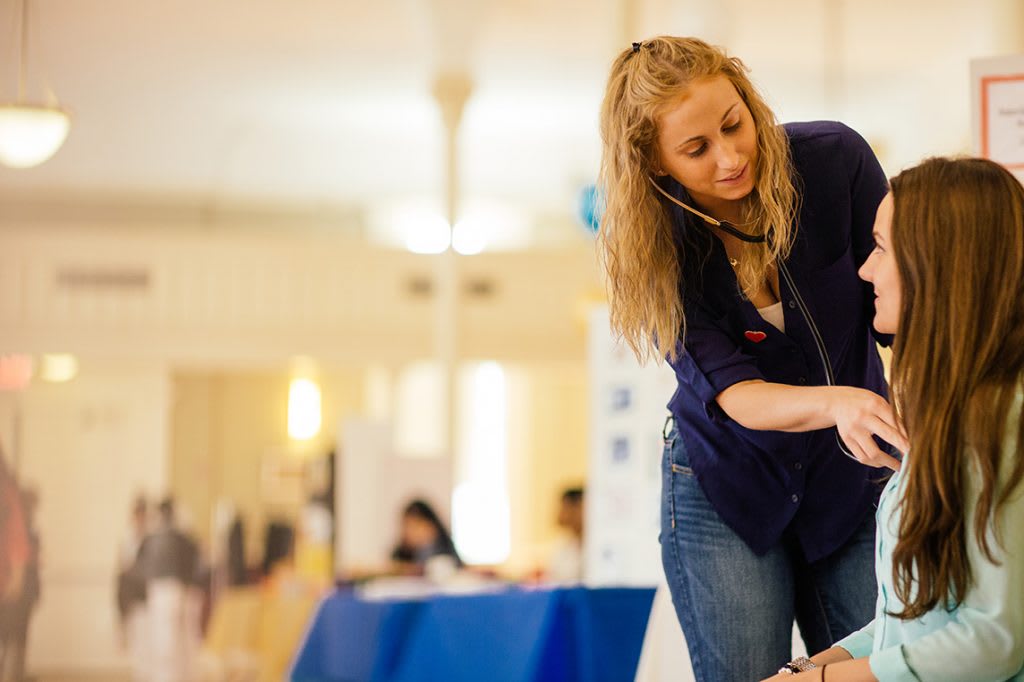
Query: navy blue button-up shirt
x,y
763,482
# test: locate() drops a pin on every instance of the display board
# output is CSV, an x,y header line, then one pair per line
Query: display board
x,y
627,413
997,110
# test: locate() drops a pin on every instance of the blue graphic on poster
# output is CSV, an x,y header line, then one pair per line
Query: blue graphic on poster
x,y
620,450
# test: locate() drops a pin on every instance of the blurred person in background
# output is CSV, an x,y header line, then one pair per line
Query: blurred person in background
x,y
31,587
423,540
131,586
168,563
278,549
566,563
313,544
238,572
15,559
227,549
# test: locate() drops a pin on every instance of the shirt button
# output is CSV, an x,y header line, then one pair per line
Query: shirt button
x,y
795,498
792,304
798,466
802,380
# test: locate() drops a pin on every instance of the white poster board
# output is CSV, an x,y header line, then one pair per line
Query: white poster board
x,y
627,412
997,110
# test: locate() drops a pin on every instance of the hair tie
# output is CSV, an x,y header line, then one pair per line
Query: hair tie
x,y
636,47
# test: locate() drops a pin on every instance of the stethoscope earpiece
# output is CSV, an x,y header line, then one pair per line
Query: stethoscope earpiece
x,y
723,225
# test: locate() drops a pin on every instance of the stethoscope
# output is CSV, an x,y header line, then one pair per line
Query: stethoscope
x,y
731,229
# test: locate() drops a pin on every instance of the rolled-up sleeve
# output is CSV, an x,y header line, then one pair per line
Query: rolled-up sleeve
x,y
712,361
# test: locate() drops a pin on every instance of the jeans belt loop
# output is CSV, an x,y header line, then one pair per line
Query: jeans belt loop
x,y
670,422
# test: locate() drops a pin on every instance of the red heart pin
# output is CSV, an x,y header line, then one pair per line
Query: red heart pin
x,y
756,337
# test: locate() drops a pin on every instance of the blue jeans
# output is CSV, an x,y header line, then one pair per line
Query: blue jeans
x,y
736,608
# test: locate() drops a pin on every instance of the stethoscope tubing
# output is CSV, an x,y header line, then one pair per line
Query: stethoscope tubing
x,y
826,361
819,342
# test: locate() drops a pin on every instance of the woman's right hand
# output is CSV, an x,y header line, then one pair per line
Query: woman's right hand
x,y
859,414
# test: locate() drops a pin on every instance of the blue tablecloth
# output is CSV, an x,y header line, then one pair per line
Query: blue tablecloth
x,y
561,635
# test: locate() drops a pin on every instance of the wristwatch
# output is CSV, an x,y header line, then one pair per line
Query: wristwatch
x,y
797,665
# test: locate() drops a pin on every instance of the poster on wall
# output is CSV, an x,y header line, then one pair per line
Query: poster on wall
x,y
997,109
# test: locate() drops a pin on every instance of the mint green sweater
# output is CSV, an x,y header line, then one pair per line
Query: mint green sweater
x,y
980,640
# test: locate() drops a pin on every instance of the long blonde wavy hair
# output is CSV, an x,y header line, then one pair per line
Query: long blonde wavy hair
x,y
958,360
639,254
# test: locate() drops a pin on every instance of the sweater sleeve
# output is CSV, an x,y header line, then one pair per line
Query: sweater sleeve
x,y
859,644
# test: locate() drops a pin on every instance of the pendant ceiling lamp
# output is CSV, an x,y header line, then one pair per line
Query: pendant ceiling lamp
x,y
29,133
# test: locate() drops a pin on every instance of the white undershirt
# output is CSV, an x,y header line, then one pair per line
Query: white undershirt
x,y
773,315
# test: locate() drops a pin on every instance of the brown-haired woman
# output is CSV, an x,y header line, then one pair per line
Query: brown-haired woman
x,y
948,271
763,517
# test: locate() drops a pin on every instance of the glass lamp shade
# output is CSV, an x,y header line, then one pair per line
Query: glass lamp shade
x,y
30,134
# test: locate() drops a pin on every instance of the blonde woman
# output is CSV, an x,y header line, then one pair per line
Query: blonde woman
x,y
764,518
948,272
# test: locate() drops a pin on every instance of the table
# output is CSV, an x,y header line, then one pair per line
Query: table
x,y
556,635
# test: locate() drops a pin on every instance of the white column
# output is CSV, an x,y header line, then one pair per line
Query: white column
x,y
451,90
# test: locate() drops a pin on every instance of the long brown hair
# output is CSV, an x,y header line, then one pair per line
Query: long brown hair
x,y
958,358
636,241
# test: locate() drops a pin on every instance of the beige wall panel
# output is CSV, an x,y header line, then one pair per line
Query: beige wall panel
x,y
246,298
